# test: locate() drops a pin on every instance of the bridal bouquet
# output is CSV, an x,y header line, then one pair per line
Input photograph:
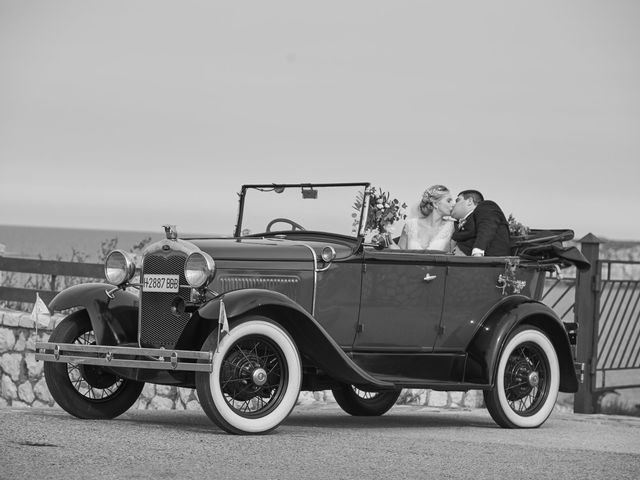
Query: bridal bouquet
x,y
517,229
383,211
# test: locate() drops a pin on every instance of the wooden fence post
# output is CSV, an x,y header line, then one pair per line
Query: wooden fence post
x,y
587,314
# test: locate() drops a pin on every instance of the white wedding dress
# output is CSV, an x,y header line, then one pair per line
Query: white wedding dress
x,y
423,237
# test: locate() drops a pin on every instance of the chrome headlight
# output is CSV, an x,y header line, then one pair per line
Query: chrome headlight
x,y
119,267
199,269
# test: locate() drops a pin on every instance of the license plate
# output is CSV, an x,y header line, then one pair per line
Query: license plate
x,y
161,283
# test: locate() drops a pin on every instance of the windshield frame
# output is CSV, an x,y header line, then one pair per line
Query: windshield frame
x,y
272,186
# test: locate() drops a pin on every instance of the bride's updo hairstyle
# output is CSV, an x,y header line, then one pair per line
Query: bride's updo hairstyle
x,y
430,196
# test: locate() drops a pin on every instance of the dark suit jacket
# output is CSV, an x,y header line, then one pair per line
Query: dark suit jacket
x,y
486,228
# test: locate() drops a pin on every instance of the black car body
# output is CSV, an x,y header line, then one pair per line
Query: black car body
x,y
252,319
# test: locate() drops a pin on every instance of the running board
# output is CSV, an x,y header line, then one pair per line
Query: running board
x,y
407,382
111,356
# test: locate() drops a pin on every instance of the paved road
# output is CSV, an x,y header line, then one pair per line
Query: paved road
x,y
319,442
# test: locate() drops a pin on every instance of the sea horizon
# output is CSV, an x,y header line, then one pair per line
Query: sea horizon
x,y
67,243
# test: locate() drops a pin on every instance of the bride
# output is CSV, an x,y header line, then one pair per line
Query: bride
x,y
434,228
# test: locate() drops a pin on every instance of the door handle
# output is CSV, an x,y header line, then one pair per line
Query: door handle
x,y
428,278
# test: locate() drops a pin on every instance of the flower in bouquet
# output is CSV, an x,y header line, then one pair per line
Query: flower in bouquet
x,y
517,229
383,211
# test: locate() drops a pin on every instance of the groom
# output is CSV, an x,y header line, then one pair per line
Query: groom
x,y
482,228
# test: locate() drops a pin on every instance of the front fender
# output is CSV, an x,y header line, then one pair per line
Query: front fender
x,y
114,320
311,338
496,327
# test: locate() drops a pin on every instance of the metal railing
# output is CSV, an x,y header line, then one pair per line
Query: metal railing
x,y
559,294
618,346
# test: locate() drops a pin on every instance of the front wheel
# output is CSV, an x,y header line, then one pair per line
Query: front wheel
x,y
86,391
527,380
256,377
363,402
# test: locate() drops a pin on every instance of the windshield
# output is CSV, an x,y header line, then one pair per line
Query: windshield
x,y
331,208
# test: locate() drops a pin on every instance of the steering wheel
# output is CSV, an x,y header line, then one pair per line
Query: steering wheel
x,y
294,225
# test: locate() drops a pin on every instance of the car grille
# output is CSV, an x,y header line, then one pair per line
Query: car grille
x,y
285,284
159,327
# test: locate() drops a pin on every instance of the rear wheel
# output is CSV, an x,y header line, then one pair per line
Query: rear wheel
x,y
527,381
256,377
87,391
359,402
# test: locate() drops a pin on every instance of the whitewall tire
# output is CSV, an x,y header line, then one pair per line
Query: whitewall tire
x,y
256,377
527,380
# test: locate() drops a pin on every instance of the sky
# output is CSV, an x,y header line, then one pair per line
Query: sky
x,y
133,114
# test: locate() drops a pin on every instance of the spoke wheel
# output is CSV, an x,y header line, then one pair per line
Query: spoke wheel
x,y
359,402
253,376
87,391
256,377
92,381
527,381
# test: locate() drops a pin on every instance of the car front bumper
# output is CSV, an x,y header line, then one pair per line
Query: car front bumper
x,y
128,357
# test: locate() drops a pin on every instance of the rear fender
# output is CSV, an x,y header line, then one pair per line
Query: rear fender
x,y
114,320
312,340
485,348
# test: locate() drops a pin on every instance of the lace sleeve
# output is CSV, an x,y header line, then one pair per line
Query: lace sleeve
x,y
410,227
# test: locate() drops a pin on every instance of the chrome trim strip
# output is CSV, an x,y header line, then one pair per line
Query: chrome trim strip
x,y
315,276
365,211
147,364
315,273
152,352
171,362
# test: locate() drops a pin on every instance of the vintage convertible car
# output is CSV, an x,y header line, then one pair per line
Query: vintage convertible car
x,y
298,299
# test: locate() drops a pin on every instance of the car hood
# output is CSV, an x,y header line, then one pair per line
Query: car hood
x,y
256,249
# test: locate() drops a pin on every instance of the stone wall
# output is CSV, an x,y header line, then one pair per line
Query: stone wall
x,y
23,384
21,380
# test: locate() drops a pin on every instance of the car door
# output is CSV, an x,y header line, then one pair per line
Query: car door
x,y
401,301
471,291
338,298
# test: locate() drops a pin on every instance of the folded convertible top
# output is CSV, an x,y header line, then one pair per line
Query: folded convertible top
x,y
546,247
